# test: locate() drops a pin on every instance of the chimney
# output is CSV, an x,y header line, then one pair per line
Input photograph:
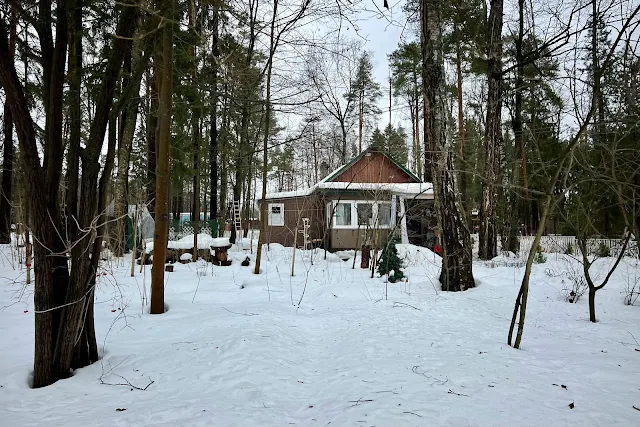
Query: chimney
x,y
324,170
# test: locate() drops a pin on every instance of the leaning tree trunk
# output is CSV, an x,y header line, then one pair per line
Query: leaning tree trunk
x,y
456,273
488,238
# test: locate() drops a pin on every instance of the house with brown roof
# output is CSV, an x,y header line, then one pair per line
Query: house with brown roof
x,y
362,202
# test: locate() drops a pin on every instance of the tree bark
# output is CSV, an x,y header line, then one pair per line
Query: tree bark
x,y
462,174
152,134
6,198
125,141
493,134
213,153
163,177
61,301
456,273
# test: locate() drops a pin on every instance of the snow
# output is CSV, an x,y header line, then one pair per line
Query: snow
x,y
220,242
204,242
418,190
325,346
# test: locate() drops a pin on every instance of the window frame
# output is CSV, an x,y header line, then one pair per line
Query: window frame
x,y
377,214
375,207
335,211
271,216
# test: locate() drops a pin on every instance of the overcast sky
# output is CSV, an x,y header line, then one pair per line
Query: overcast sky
x,y
383,33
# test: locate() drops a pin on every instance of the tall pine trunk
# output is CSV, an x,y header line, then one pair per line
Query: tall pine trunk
x,y
163,178
213,153
456,273
488,248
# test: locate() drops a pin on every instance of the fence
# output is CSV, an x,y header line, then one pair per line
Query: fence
x,y
178,232
560,244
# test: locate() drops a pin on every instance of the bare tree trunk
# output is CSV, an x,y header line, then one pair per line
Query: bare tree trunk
x,y
360,119
493,134
456,273
517,120
213,153
6,198
152,136
195,127
462,174
163,178
124,149
265,143
418,150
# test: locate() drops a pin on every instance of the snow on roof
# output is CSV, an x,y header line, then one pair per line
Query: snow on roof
x,y
419,190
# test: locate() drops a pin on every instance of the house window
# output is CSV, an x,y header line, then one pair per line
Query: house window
x,y
343,215
365,214
276,214
384,214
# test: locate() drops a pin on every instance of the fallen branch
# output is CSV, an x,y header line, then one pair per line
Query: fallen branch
x,y
412,413
408,305
127,383
636,408
457,394
241,314
359,401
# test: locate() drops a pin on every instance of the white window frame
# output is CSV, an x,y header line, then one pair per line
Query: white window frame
x,y
272,218
334,211
354,214
376,217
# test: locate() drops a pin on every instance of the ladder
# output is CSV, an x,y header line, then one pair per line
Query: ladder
x,y
306,224
237,221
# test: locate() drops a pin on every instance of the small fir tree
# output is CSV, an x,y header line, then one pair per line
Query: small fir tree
x,y
390,262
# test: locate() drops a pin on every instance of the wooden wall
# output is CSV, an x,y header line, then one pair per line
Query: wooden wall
x,y
295,209
374,167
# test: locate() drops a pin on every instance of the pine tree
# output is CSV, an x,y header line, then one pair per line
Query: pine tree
x,y
365,93
405,63
393,142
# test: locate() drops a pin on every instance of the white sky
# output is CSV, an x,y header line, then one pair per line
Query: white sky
x,y
383,33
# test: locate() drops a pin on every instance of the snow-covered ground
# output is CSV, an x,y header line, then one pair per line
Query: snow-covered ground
x,y
326,347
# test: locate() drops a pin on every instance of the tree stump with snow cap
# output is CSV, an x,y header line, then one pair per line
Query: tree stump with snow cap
x,y
221,246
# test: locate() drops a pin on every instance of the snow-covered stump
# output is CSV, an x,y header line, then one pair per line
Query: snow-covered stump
x,y
221,246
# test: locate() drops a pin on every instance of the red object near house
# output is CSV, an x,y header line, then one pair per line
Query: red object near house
x,y
438,249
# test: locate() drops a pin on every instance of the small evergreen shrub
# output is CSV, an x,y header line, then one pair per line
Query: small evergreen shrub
x,y
603,250
540,257
569,250
390,261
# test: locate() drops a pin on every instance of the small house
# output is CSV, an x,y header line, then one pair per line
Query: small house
x,y
360,203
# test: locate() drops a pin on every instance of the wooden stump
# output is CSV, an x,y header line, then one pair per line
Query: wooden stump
x,y
366,256
168,268
221,257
